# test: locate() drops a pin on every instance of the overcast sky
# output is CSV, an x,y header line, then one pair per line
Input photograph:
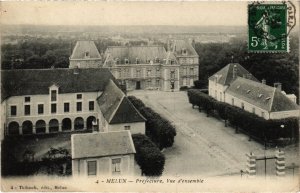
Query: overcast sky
x,y
121,13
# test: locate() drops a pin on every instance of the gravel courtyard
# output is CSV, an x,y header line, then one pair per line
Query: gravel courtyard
x,y
203,146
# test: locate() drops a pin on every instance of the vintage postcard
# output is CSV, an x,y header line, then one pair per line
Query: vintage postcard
x,y
149,96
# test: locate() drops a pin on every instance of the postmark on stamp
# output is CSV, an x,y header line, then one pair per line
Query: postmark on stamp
x,y
269,25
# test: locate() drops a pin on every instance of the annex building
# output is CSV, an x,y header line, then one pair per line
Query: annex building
x,y
234,85
142,67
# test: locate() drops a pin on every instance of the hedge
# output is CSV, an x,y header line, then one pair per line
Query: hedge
x,y
148,156
158,129
272,130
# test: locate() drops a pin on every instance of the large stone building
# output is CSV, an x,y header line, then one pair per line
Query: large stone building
x,y
64,100
143,67
234,85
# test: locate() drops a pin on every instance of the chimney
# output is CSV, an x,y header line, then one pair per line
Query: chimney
x,y
263,81
278,86
234,73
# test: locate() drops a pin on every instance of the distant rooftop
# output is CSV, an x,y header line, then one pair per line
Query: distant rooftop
x,y
85,50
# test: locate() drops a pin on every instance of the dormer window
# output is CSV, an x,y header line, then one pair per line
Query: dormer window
x,y
53,95
137,61
157,60
248,91
87,54
172,62
183,51
126,61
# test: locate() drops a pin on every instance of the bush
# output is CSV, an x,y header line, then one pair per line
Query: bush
x,y
253,125
148,156
158,129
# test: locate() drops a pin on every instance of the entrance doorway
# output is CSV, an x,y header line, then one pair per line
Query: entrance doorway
x,y
138,85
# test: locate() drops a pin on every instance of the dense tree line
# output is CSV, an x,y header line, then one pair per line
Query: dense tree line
x,y
271,130
279,67
158,129
148,156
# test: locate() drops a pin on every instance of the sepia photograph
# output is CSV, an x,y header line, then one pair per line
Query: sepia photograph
x,y
150,96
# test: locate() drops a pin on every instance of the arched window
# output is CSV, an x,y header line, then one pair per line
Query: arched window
x,y
89,122
40,126
13,128
27,127
53,125
66,124
78,123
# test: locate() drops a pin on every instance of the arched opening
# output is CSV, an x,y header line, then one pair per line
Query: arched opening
x,y
89,122
78,123
27,127
13,128
40,126
53,125
66,124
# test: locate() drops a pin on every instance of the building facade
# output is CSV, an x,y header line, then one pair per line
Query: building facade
x,y
60,100
102,154
146,67
234,85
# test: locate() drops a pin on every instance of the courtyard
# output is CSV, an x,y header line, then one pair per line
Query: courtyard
x,y
203,145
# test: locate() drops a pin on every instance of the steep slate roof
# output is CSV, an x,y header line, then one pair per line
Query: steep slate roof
x,y
116,107
143,53
101,144
82,47
225,75
260,95
38,81
183,44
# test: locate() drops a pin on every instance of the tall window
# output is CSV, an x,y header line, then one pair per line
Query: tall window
x,y
172,74
191,71
13,110
92,168
79,106
138,72
66,107
148,72
242,106
127,127
53,95
157,83
40,108
27,109
53,108
116,165
91,105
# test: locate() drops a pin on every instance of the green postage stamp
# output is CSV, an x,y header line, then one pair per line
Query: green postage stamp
x,y
269,25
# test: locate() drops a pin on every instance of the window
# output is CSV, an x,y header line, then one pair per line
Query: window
x,y
27,109
40,108
138,72
53,95
79,96
91,105
27,99
191,71
117,61
242,106
79,106
172,62
253,110
116,165
232,101
13,110
66,107
87,54
137,61
172,74
126,61
92,168
149,73
53,108
127,127
157,83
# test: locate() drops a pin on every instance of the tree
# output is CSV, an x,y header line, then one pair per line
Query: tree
x,y
148,156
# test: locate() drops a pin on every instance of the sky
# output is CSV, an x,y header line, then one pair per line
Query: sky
x,y
125,13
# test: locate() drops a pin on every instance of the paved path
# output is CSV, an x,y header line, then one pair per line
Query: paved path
x,y
203,145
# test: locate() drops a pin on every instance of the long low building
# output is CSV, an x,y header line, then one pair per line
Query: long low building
x,y
234,85
64,100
